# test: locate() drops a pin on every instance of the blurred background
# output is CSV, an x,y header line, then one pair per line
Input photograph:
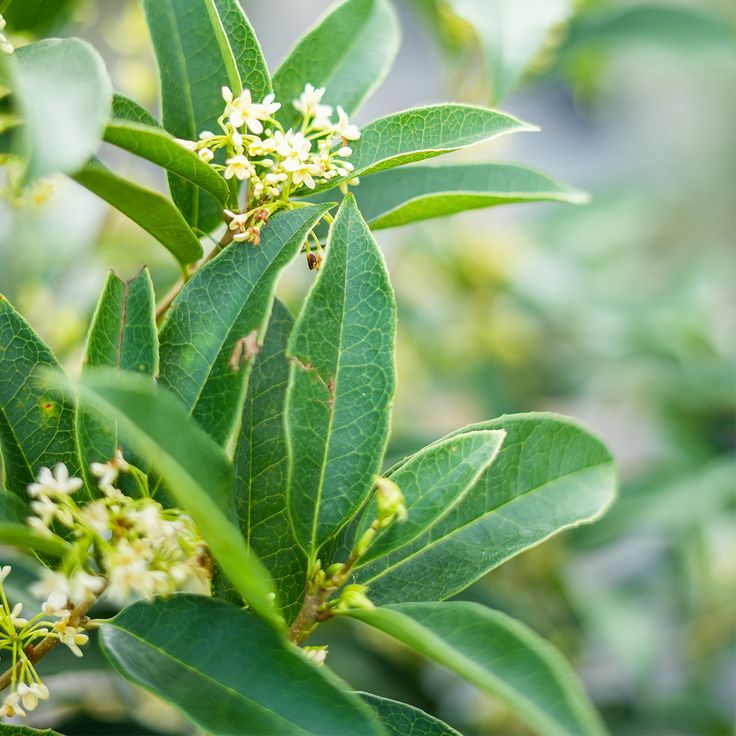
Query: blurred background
x,y
619,313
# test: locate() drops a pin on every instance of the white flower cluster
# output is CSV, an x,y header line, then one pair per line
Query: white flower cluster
x,y
5,46
138,548
276,162
18,635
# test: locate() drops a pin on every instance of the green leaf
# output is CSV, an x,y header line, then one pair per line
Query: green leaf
x,y
196,471
36,430
349,52
15,532
36,16
122,335
550,475
201,46
341,383
498,655
228,672
223,309
123,108
63,92
660,26
512,34
433,482
149,209
261,467
422,133
400,719
401,196
9,730
156,145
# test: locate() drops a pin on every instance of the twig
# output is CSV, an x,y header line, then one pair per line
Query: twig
x,y
34,654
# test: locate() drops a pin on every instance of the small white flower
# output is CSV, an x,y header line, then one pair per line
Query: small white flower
x,y
45,509
148,520
344,129
5,570
57,483
97,516
244,111
55,605
82,586
11,707
206,155
107,473
308,104
237,220
15,617
238,167
72,636
31,694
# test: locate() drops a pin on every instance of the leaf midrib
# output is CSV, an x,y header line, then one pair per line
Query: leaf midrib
x,y
481,518
206,677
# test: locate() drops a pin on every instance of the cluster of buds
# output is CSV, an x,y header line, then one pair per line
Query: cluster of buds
x,y
19,635
275,163
391,509
130,546
5,46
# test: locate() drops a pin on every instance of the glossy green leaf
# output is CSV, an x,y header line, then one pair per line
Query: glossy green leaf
x,y
229,672
207,339
498,655
512,33
261,467
36,429
122,335
341,383
156,145
433,482
401,196
349,52
400,719
666,27
149,209
201,46
422,133
124,108
550,474
196,471
64,94
15,532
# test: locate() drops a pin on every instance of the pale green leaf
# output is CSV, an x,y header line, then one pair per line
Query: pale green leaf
x,y
122,335
149,209
550,474
348,52
666,27
261,467
433,482
422,133
222,311
63,92
401,719
196,471
13,730
201,46
228,672
512,34
36,429
498,655
401,196
341,383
